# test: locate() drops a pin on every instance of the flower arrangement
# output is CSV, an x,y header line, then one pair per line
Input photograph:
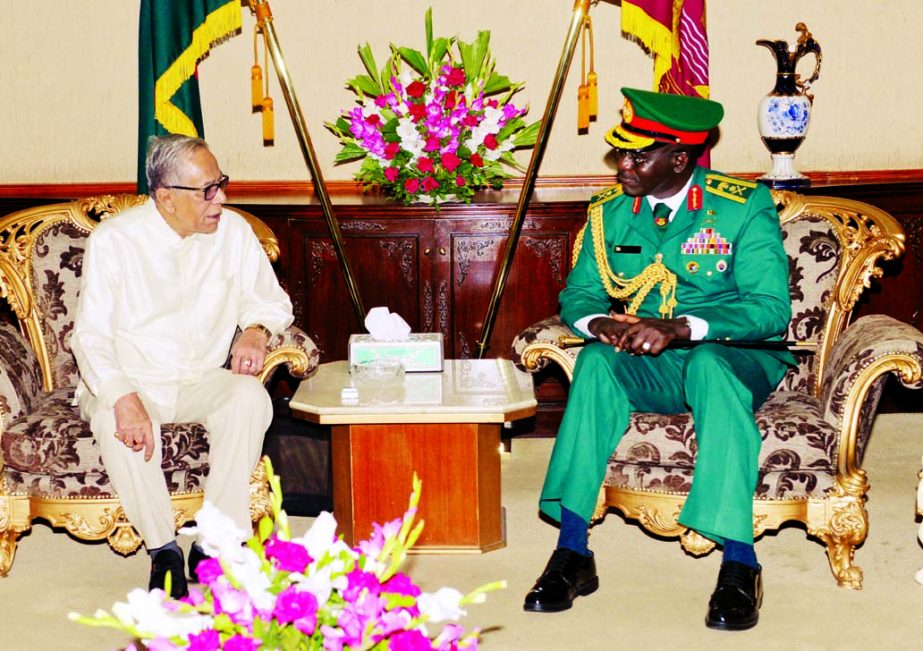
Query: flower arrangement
x,y
310,593
436,125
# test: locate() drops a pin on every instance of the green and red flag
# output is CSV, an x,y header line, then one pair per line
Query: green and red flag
x,y
673,31
173,37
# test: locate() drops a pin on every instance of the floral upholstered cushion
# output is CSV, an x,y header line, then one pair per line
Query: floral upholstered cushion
x,y
51,452
57,262
797,458
20,376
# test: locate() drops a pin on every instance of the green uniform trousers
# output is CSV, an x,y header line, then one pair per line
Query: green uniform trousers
x,y
722,387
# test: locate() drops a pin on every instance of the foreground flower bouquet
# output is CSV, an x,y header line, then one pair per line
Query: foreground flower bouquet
x,y
433,125
312,592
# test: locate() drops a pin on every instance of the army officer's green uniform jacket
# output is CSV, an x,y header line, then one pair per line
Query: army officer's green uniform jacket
x,y
724,244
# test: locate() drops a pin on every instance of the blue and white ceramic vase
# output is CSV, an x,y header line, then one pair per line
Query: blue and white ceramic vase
x,y
784,114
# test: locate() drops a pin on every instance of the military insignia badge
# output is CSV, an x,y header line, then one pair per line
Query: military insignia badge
x,y
721,266
692,266
707,241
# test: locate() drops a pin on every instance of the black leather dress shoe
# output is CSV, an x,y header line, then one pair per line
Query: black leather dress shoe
x,y
567,576
196,556
735,603
169,560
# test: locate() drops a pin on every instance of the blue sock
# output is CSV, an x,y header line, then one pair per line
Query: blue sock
x,y
574,533
740,552
170,545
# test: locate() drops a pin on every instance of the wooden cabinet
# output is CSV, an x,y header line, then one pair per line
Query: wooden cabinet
x,y
434,268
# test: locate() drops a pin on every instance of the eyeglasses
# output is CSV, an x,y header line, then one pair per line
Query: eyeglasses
x,y
637,160
209,191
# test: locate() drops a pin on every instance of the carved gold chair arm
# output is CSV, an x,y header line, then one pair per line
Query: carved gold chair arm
x,y
547,341
868,349
294,349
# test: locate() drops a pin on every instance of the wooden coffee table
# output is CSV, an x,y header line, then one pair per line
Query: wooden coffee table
x,y
443,426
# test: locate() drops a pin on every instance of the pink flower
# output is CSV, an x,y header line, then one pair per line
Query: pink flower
x,y
471,120
391,173
400,583
207,640
416,89
490,141
412,640
298,607
425,164
432,143
460,181
450,161
208,570
411,185
391,149
455,77
241,643
476,160
289,556
430,184
359,580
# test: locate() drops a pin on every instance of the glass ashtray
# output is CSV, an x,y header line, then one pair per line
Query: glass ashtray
x,y
379,371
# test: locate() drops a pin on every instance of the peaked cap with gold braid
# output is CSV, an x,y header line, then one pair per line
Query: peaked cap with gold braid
x,y
649,117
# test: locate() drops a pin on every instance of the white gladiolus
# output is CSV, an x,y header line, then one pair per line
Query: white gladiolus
x,y
442,605
145,612
220,537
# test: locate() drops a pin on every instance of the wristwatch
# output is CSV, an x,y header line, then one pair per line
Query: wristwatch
x,y
261,328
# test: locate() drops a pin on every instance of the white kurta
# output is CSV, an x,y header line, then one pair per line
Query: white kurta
x,y
158,310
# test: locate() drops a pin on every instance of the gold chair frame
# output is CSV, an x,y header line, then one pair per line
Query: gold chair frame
x,y
868,236
97,518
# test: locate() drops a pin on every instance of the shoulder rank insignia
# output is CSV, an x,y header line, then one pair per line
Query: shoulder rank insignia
x,y
606,195
728,187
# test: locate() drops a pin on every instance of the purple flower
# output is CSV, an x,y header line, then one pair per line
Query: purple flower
x,y
400,583
300,608
359,581
207,640
234,602
289,556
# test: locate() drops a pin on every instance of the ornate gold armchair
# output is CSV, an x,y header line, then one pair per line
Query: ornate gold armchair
x,y
49,462
815,426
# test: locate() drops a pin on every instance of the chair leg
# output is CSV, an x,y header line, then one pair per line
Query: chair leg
x,y
846,529
7,550
260,501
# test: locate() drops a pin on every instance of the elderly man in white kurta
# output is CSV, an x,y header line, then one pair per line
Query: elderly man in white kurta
x,y
164,288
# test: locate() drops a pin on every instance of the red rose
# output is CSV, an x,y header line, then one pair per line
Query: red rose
x,y
430,184
425,164
391,149
450,100
476,160
432,143
416,89
471,120
456,77
411,185
417,111
460,181
373,120
391,173
490,141
450,161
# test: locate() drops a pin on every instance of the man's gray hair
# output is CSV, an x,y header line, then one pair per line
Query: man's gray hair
x,y
165,155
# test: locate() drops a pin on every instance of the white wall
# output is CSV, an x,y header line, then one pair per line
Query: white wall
x,y
68,81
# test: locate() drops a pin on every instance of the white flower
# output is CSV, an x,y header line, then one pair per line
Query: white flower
x,y
411,140
405,77
442,605
219,536
253,580
145,612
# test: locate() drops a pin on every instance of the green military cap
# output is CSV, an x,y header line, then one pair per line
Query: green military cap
x,y
649,117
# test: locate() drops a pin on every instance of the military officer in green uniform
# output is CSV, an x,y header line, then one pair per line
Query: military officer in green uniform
x,y
674,251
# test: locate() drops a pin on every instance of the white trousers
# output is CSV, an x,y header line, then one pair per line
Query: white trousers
x,y
236,411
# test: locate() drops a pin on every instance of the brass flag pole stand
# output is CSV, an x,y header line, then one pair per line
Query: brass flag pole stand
x,y
581,11
262,13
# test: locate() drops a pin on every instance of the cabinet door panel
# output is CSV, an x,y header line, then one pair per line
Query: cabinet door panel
x,y
387,264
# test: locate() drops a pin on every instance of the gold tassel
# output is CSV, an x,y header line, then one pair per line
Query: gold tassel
x,y
269,126
583,93
256,77
592,90
269,137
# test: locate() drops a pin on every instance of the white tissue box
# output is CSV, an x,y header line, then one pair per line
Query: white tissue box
x,y
421,352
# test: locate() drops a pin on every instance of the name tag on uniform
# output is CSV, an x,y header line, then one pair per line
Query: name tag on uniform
x,y
626,248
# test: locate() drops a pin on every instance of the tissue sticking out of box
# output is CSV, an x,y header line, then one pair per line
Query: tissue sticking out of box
x,y
385,325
